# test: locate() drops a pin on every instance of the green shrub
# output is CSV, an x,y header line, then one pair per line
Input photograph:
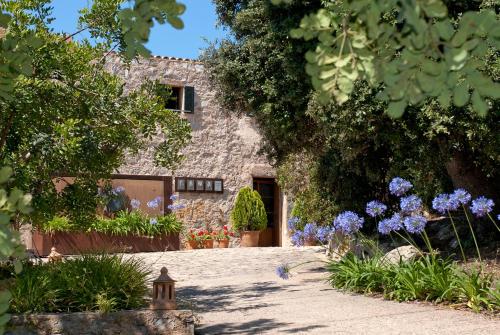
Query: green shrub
x,y
124,223
249,212
89,283
428,278
58,223
137,223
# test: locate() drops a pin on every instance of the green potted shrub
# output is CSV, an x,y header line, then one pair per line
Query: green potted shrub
x,y
249,216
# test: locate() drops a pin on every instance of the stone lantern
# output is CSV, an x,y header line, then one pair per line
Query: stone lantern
x,y
163,292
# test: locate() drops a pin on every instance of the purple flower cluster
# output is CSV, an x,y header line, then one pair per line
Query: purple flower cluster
x,y
174,197
398,186
297,238
153,221
283,271
375,208
410,204
348,222
415,224
292,223
324,234
482,206
444,203
309,231
118,190
393,223
154,203
460,196
134,203
176,207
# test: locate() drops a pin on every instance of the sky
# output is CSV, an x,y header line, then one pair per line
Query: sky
x,y
199,24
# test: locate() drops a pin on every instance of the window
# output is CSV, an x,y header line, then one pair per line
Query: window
x,y
173,98
179,98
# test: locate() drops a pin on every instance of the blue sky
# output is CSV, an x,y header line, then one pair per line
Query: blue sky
x,y
199,24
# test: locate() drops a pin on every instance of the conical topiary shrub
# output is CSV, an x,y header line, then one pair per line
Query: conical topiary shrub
x,y
249,214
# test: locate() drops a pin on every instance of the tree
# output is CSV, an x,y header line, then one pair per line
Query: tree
x,y
339,156
12,202
71,117
412,50
48,98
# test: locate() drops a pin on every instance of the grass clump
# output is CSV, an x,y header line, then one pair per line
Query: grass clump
x,y
89,283
428,278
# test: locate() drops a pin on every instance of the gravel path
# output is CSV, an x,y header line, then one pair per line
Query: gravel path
x,y
235,291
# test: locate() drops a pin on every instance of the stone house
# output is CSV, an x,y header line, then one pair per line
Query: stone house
x,y
222,156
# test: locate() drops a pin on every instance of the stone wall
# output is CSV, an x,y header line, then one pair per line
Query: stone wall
x,y
224,145
140,322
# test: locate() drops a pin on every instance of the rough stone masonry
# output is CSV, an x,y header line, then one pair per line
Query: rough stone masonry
x,y
223,145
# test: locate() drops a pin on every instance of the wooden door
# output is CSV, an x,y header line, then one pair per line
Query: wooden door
x,y
268,190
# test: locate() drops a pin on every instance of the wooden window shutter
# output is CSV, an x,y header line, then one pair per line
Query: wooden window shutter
x,y
189,98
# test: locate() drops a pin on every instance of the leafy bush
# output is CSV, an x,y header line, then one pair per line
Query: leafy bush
x,y
92,282
428,278
249,212
125,223
137,223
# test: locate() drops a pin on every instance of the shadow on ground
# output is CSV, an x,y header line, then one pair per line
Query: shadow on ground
x,y
228,298
253,327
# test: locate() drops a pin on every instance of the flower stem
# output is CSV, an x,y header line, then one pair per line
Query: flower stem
x,y
493,221
427,241
473,235
458,237
412,243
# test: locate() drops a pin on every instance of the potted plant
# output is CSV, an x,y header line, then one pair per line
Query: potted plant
x,y
249,216
192,240
223,237
208,240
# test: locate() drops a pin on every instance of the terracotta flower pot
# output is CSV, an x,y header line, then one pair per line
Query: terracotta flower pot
x,y
224,243
208,244
190,245
250,238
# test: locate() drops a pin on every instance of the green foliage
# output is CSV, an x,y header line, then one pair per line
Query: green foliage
x,y
83,125
12,202
134,223
428,278
249,212
57,224
413,48
137,223
88,283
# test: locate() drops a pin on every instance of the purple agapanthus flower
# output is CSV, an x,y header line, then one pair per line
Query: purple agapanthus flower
x,y
375,208
283,271
324,234
153,221
176,207
297,238
441,203
310,230
348,222
415,224
174,197
460,196
498,217
481,206
134,203
292,223
399,186
394,223
153,204
410,204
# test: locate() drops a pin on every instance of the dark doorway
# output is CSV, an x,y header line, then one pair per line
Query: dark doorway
x,y
269,192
